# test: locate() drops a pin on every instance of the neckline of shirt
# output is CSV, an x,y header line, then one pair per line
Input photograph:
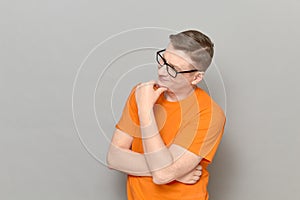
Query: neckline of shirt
x,y
163,99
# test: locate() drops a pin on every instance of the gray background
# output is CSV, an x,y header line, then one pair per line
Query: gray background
x,y
50,145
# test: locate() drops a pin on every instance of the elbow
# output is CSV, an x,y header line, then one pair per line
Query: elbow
x,y
109,160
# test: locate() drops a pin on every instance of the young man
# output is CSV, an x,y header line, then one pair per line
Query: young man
x,y
170,129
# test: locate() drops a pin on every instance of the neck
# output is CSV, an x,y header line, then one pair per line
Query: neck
x,y
178,96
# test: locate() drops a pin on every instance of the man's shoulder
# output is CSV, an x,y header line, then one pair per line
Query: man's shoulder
x,y
206,101
203,98
201,93
131,97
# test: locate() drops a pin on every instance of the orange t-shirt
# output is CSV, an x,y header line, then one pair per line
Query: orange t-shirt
x,y
195,123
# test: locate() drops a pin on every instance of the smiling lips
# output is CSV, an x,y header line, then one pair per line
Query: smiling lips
x,y
162,78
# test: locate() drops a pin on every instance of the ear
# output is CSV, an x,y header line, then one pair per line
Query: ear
x,y
197,78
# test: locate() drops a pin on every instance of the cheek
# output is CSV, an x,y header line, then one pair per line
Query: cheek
x,y
177,83
182,80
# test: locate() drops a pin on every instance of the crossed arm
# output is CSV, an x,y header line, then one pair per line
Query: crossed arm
x,y
184,168
162,163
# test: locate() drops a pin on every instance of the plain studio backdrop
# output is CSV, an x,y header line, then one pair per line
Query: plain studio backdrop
x,y
66,69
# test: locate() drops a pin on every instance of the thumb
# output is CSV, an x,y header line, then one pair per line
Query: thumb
x,y
160,90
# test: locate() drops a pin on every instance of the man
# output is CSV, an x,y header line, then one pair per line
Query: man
x,y
170,129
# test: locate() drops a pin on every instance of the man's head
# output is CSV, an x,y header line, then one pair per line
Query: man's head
x,y
197,46
190,54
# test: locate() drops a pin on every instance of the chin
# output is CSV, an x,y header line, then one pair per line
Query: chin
x,y
162,84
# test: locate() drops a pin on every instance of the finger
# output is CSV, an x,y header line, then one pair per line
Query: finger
x,y
138,85
199,167
191,182
142,84
198,173
161,90
188,182
152,82
155,86
196,178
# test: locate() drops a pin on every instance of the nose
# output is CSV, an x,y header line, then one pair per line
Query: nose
x,y
162,71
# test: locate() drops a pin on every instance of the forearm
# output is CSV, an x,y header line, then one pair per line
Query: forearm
x,y
157,155
134,164
127,161
164,163
183,163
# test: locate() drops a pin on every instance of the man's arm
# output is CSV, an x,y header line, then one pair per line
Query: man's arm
x,y
132,163
164,168
121,158
165,164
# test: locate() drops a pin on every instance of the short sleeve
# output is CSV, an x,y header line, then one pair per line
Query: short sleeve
x,y
129,121
203,133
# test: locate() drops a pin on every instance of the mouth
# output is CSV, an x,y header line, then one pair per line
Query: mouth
x,y
163,78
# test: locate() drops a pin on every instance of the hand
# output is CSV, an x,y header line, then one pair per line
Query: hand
x,y
146,95
192,177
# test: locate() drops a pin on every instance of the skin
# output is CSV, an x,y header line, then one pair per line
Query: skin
x,y
185,168
123,141
184,84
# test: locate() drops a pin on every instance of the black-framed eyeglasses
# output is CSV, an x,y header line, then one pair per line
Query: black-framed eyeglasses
x,y
170,69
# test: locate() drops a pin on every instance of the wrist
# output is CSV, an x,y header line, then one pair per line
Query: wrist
x,y
145,117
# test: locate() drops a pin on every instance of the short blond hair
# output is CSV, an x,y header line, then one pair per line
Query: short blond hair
x,y
196,45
